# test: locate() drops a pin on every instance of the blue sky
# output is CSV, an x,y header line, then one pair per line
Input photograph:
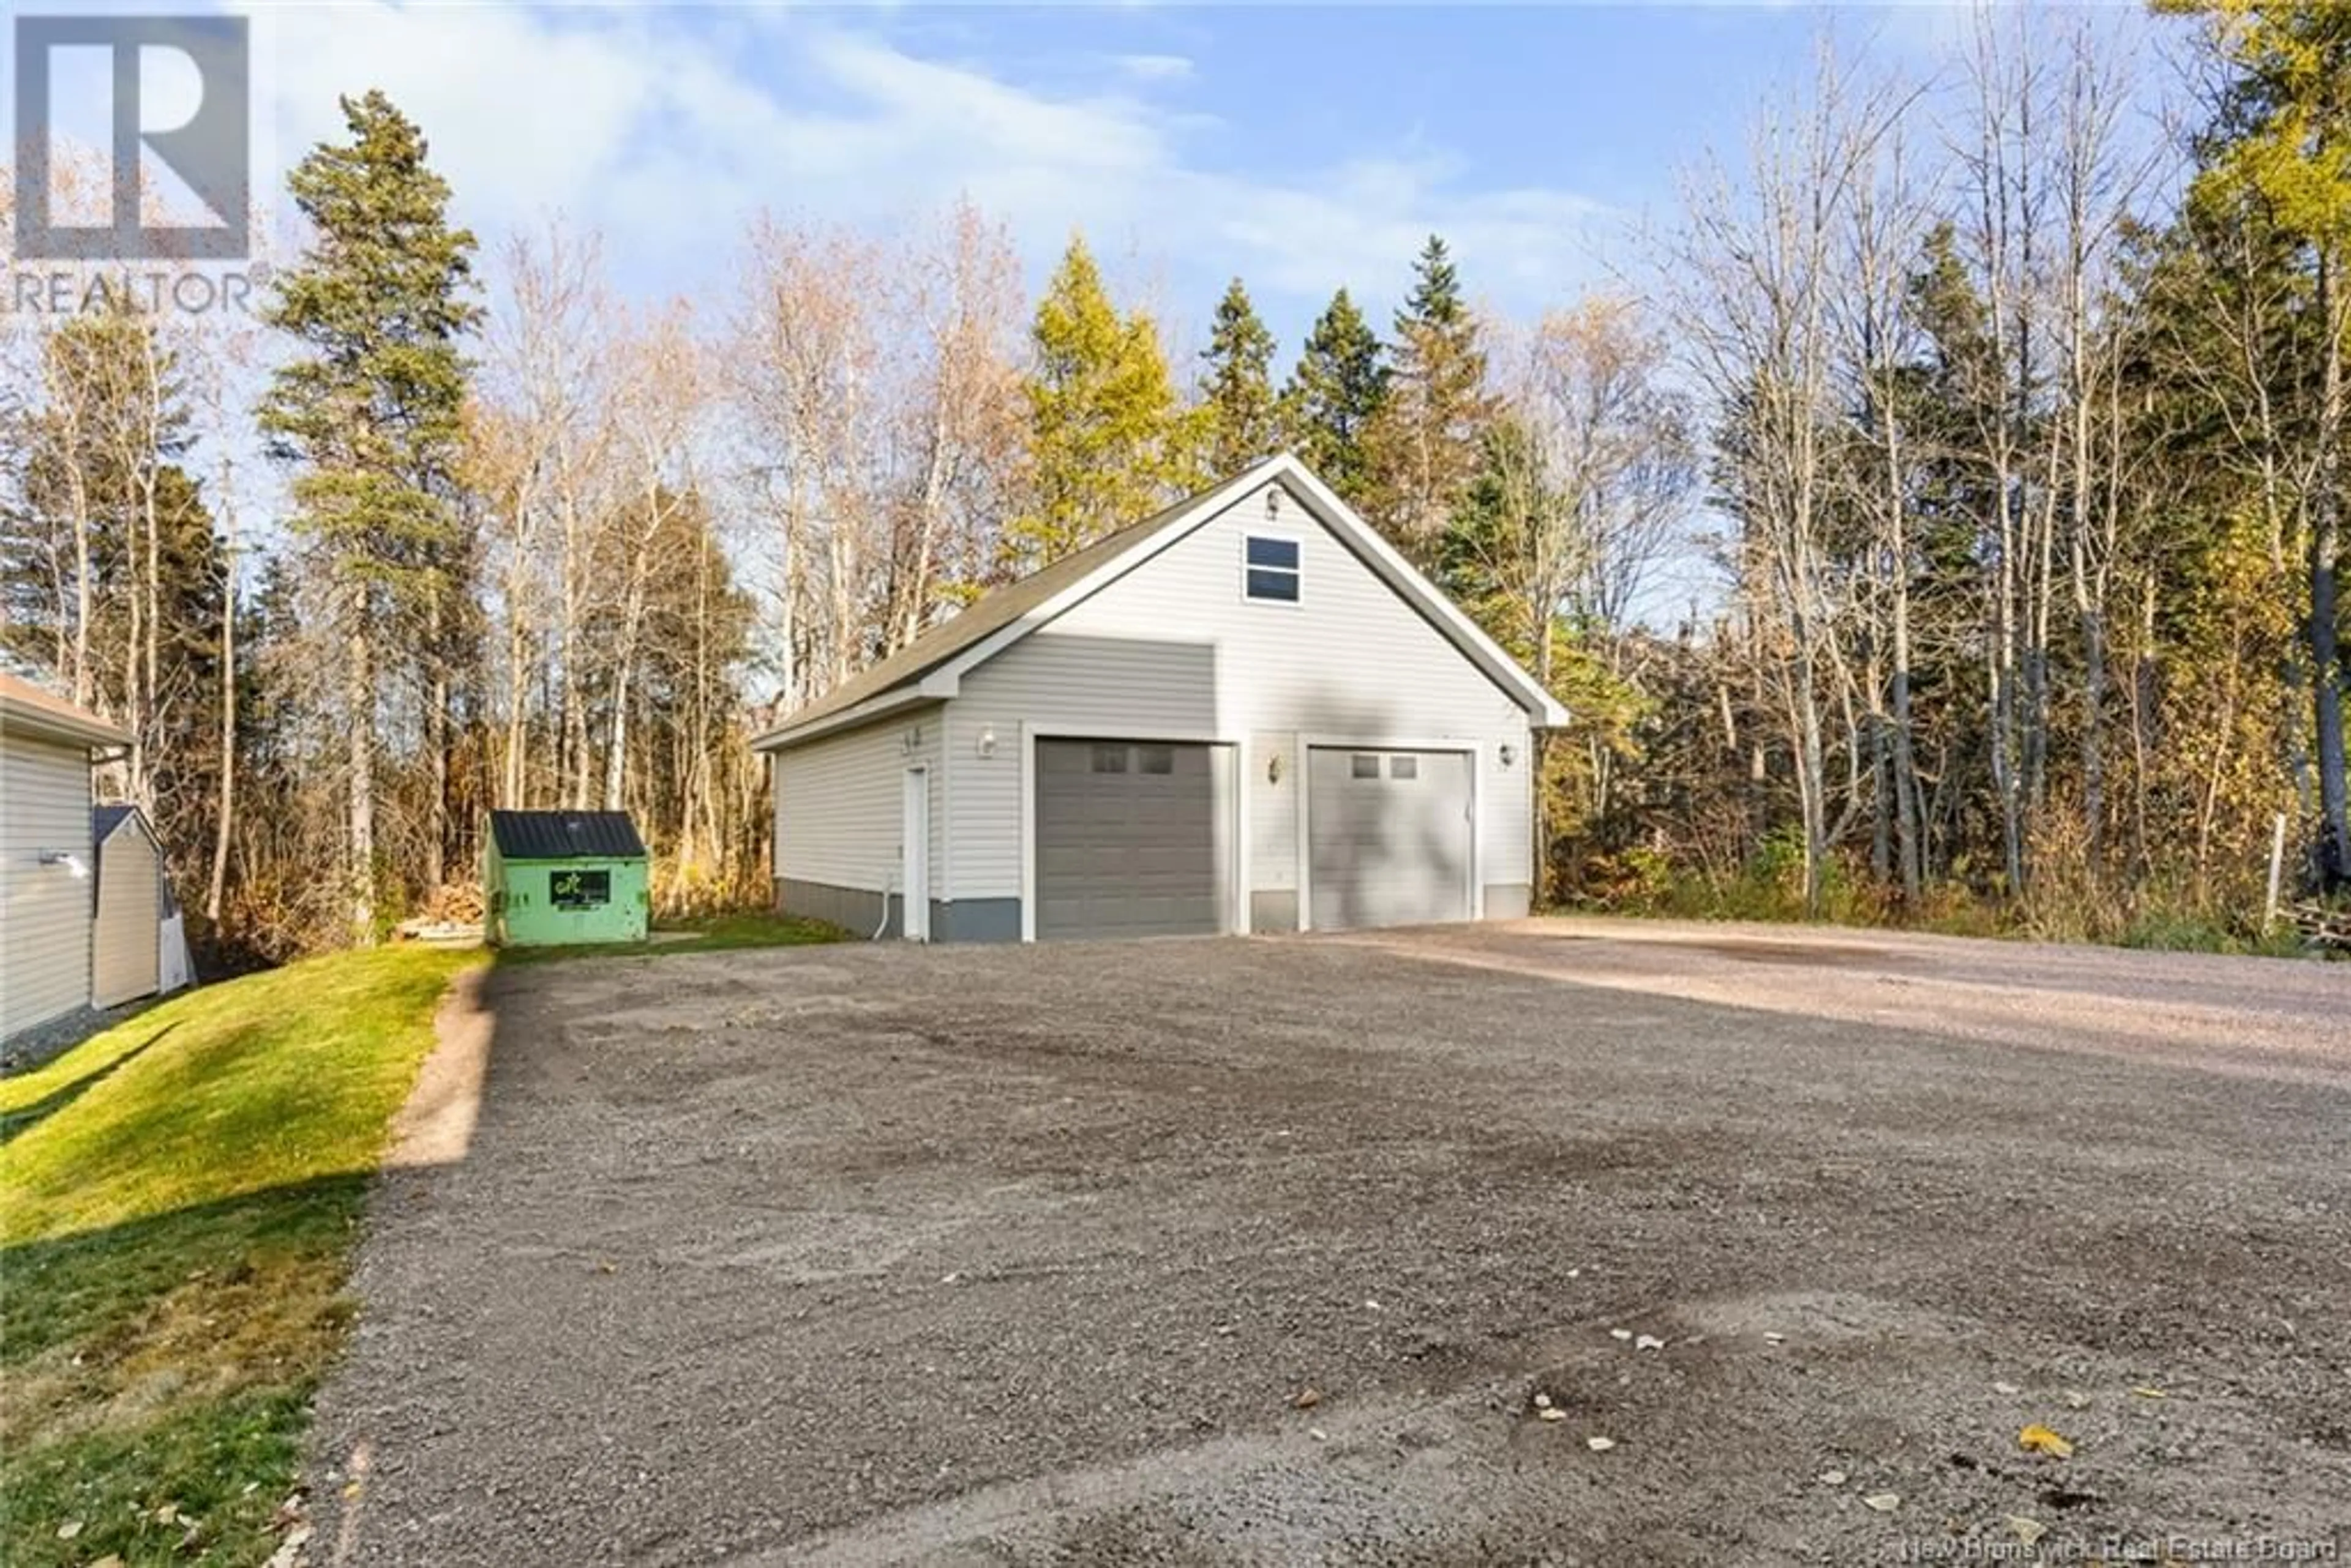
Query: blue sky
x,y
1300,147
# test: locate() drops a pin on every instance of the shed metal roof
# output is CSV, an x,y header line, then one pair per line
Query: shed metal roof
x,y
566,835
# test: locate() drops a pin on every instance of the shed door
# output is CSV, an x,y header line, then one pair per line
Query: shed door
x,y
1389,837
124,952
1127,840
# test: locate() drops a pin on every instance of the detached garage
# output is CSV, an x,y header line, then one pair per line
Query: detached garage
x,y
1246,714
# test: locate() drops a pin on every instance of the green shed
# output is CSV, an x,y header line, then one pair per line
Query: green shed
x,y
554,878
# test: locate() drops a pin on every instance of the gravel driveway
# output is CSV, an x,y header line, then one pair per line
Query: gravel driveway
x,y
1286,1251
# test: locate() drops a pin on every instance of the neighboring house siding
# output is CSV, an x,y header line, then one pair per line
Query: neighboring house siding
x,y
1351,659
123,948
45,911
839,801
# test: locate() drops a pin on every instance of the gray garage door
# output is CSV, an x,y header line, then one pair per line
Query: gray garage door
x,y
1127,840
1390,833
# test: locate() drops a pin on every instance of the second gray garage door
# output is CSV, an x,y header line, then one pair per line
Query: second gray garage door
x,y
1127,840
1389,837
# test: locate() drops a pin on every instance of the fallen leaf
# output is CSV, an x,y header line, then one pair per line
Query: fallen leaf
x,y
1543,1401
69,1530
1599,1445
1620,1334
109,1560
1317,1434
2026,1529
2006,1388
1772,1336
1307,1399
1833,1478
2076,1400
1648,1342
1882,1501
2039,1439
1550,1413
2145,1391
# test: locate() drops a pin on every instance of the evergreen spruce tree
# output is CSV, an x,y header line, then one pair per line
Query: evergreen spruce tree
x,y
1424,448
1335,395
368,414
1108,440
1244,419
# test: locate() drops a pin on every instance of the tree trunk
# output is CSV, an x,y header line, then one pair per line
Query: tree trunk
x,y
437,750
224,825
361,696
2326,677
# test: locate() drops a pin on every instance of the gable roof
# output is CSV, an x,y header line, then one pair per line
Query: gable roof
x,y
104,820
27,708
931,667
566,835
990,613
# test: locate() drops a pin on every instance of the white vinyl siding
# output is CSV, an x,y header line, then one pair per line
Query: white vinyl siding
x,y
124,946
45,911
840,804
1140,689
1176,648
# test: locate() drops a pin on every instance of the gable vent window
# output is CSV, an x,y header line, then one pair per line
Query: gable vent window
x,y
1271,568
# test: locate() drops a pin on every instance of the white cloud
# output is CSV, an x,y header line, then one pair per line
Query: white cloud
x,y
667,135
1154,67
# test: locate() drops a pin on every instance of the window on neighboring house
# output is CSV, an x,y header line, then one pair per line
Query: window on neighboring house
x,y
1270,568
1155,759
1363,767
1404,766
1110,758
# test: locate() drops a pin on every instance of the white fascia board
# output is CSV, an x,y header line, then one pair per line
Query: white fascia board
x,y
1211,502
1406,580
887,703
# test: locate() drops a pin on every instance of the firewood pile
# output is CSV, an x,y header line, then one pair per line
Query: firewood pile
x,y
454,903
452,913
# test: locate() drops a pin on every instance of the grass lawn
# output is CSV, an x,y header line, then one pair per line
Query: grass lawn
x,y
715,934
178,1201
